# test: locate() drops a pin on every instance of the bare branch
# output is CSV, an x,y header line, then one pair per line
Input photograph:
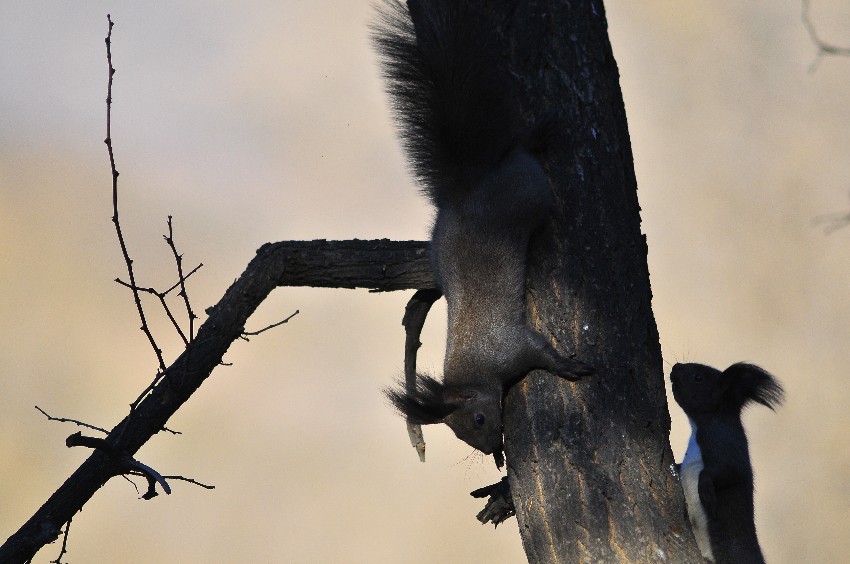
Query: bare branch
x,y
123,461
115,220
153,477
191,481
181,283
76,422
161,297
246,334
79,439
151,491
178,283
136,487
415,313
157,377
380,265
178,258
64,549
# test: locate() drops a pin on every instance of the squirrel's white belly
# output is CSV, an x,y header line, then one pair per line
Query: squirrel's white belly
x,y
689,473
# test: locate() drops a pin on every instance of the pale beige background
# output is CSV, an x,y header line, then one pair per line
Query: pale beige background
x,y
263,121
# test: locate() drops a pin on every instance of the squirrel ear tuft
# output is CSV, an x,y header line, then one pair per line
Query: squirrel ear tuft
x,y
423,406
748,383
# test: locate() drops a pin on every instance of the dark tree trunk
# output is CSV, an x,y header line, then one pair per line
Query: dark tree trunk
x,y
589,462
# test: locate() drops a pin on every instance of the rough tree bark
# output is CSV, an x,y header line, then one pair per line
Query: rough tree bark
x,y
589,462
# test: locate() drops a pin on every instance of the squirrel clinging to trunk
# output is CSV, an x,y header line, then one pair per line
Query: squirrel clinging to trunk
x,y
716,473
477,161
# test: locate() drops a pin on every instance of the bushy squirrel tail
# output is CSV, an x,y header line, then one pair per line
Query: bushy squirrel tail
x,y
453,97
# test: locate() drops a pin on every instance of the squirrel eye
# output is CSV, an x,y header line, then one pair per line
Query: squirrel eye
x,y
479,419
697,378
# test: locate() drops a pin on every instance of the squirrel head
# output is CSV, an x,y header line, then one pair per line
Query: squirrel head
x,y
701,389
474,413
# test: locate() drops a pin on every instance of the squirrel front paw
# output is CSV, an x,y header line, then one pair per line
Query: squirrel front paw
x,y
500,503
548,358
572,369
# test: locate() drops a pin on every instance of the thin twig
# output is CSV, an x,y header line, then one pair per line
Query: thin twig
x,y
147,390
164,292
151,491
64,549
115,220
65,420
178,283
190,480
136,486
161,297
246,334
178,258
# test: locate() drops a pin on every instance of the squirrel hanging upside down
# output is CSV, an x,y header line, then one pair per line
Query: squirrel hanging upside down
x,y
477,161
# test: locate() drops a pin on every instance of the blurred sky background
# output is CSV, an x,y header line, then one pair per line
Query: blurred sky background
x,y
265,121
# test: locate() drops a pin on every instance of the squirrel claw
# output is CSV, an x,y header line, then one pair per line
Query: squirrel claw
x,y
500,505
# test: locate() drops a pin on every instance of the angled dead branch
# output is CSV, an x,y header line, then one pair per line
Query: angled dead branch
x,y
414,319
380,265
